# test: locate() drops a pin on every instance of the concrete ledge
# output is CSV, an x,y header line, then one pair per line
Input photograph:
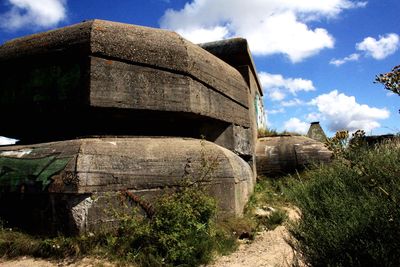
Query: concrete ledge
x,y
81,176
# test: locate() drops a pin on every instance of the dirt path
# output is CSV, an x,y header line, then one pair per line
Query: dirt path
x,y
269,249
31,262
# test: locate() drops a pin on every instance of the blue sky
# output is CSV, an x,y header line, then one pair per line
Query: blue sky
x,y
316,59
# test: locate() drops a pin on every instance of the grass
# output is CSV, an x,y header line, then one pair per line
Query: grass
x,y
267,132
269,198
271,191
276,218
350,209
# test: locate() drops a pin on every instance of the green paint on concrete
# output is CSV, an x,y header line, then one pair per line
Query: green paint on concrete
x,y
15,172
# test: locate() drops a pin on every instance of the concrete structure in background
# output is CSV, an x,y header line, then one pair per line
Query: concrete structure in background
x,y
315,132
280,155
144,98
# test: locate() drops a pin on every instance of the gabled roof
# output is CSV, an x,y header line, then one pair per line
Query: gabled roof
x,y
235,52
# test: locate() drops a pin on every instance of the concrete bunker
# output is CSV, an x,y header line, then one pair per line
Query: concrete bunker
x,y
280,155
100,95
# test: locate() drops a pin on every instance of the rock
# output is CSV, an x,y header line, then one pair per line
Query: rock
x,y
261,213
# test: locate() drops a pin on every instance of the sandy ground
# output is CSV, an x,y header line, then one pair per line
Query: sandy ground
x,y
31,262
269,249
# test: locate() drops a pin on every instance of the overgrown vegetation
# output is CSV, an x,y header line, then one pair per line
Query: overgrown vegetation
x,y
350,208
343,146
267,132
182,231
269,199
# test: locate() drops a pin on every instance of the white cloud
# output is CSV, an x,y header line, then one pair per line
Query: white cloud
x,y
343,112
7,141
276,86
292,103
276,94
294,85
313,116
295,125
200,35
341,61
276,111
379,49
33,13
270,26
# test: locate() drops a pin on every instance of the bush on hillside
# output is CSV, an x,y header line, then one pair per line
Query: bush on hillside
x,y
351,209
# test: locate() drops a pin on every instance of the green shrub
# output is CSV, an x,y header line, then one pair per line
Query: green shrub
x,y
182,232
183,227
276,218
350,210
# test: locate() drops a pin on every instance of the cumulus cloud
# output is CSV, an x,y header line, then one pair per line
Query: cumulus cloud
x,y
341,61
276,94
276,86
313,116
7,141
343,112
33,13
270,26
296,125
276,111
201,35
292,103
379,49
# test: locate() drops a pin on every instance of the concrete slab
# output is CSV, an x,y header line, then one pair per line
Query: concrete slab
x,y
79,180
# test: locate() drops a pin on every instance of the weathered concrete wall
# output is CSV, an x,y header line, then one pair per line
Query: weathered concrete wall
x,y
280,155
236,53
83,175
101,73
